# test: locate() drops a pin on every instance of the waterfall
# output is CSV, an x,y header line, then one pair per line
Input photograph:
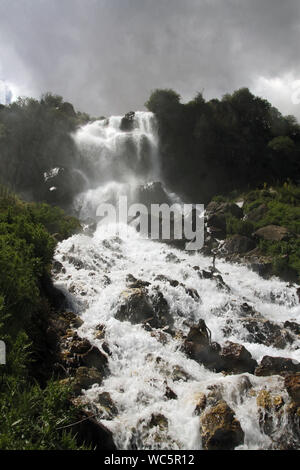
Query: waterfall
x,y
144,362
116,161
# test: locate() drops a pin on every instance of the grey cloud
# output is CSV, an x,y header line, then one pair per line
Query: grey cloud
x,y
107,56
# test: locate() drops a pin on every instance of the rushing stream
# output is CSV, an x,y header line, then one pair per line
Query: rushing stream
x,y
144,363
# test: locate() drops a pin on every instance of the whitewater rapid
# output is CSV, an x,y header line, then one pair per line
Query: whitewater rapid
x,y
142,364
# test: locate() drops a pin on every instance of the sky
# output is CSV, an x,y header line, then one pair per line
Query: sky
x,y
106,56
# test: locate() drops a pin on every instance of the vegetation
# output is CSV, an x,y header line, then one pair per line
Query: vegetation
x,y
280,206
236,143
33,414
35,137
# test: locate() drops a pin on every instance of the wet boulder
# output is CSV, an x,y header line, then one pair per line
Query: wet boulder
x,y
85,377
220,430
198,347
138,306
128,122
263,331
292,384
106,405
269,411
237,359
277,366
292,326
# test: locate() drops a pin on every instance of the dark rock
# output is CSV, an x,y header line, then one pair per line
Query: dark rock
x,y
86,377
152,193
277,366
224,208
157,419
237,359
262,268
238,244
57,267
88,430
94,358
136,307
198,347
128,122
169,394
134,283
292,384
292,326
220,430
218,221
139,307
106,403
201,404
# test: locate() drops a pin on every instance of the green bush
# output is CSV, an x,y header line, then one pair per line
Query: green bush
x,y
237,226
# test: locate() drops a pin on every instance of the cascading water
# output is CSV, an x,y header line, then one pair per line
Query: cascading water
x,y
116,161
144,364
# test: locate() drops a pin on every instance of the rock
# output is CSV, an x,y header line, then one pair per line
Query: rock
x,y
152,193
292,326
57,267
136,307
169,394
86,377
80,346
265,332
73,319
237,359
217,221
106,405
201,404
268,408
238,244
128,122
94,358
263,268
140,307
163,278
224,208
220,430
256,214
273,233
178,373
158,419
277,366
88,430
197,346
134,283
292,384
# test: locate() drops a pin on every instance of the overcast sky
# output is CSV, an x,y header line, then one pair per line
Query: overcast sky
x,y
105,56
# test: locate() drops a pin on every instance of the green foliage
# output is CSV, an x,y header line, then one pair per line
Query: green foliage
x,y
31,415
35,136
218,146
237,226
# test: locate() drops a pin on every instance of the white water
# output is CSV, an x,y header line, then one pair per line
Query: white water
x,y
140,365
118,161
